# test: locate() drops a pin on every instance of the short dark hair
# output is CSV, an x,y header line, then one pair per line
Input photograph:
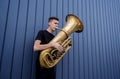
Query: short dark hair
x,y
53,18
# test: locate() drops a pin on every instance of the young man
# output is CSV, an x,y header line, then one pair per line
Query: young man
x,y
41,43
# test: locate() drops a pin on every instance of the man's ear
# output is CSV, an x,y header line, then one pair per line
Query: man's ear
x,y
49,23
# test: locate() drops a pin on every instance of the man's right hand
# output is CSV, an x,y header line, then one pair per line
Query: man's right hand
x,y
58,46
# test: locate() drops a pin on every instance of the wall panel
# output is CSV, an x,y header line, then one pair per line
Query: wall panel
x,y
4,7
19,41
94,53
9,40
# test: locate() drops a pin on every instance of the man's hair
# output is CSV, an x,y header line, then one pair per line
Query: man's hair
x,y
53,18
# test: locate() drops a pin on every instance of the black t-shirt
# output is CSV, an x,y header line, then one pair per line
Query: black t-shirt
x,y
44,36
42,73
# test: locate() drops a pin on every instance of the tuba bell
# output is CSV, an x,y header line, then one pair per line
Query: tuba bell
x,y
51,56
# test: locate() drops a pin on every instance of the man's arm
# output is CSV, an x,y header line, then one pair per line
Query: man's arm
x,y
38,46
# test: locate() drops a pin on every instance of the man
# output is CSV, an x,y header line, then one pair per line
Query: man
x,y
41,43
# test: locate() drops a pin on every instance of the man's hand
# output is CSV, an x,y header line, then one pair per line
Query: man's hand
x,y
58,46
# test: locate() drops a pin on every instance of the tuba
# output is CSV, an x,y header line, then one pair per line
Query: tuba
x,y
51,56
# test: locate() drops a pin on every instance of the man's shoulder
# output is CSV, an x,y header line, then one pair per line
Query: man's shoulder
x,y
40,35
41,31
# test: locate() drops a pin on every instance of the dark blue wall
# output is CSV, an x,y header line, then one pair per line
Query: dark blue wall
x,y
95,53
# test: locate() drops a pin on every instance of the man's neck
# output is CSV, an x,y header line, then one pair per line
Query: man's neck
x,y
49,30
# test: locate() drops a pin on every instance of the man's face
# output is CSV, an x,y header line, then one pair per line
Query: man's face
x,y
53,24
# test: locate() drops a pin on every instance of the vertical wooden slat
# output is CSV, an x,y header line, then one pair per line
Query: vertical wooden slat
x,y
19,36
113,41
9,41
75,44
46,15
93,28
85,41
28,45
102,37
39,15
80,42
71,52
4,7
53,7
117,33
97,48
109,48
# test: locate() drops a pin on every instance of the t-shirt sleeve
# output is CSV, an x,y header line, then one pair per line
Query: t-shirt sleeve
x,y
39,36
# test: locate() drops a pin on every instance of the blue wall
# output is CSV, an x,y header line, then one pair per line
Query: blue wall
x,y
95,53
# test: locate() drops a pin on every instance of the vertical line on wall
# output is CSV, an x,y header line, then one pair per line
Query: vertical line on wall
x,y
104,54
68,6
56,13
117,36
101,35
102,38
56,8
112,33
50,7
98,43
25,37
87,40
94,64
90,34
83,41
78,42
93,41
15,39
43,13
111,38
33,38
97,61
116,39
4,34
108,39
113,41
35,19
87,47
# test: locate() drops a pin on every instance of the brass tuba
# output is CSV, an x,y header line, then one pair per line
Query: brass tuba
x,y
51,56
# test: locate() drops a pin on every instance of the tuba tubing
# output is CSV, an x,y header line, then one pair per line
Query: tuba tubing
x,y
51,56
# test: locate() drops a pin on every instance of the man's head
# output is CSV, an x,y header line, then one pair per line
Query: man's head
x,y
53,23
53,18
